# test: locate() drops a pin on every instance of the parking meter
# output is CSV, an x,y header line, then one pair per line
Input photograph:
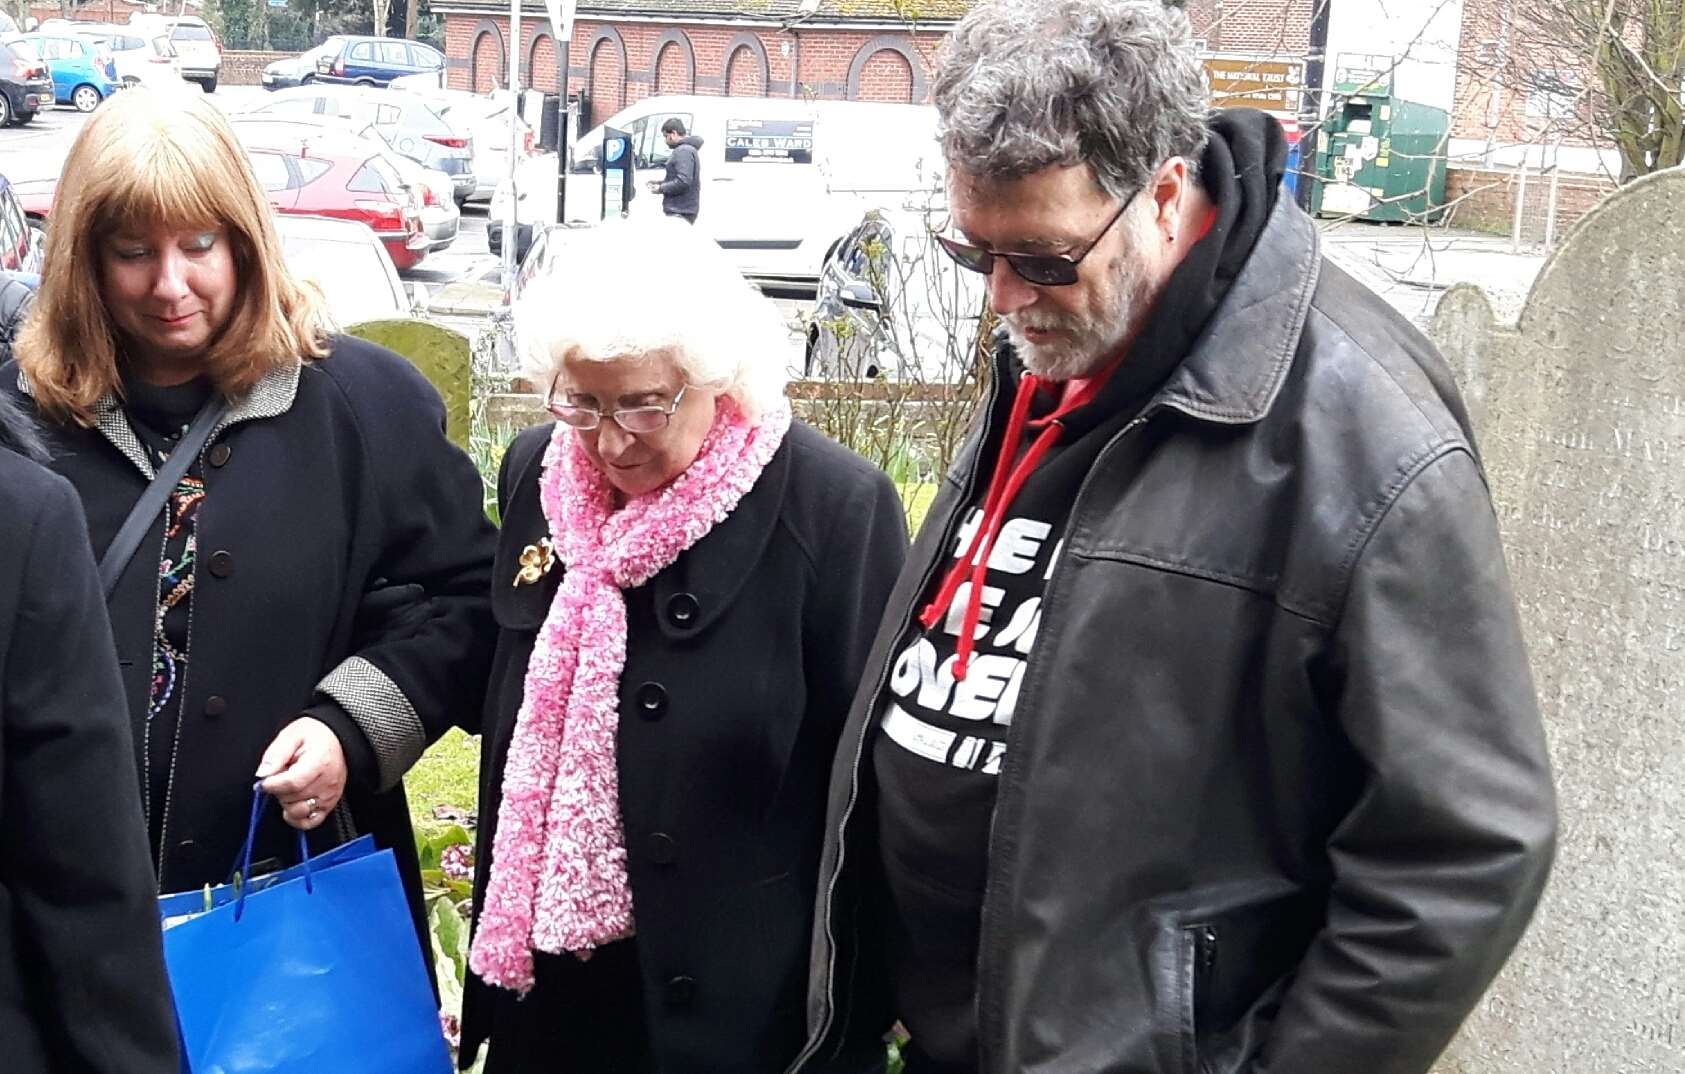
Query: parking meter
x,y
618,185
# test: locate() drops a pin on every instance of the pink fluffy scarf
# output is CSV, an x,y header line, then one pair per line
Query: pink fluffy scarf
x,y
558,877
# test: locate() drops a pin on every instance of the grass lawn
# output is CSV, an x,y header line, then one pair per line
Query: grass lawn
x,y
448,774
917,496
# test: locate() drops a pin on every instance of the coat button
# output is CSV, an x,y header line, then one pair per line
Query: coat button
x,y
216,705
222,564
682,609
220,455
681,991
662,848
652,701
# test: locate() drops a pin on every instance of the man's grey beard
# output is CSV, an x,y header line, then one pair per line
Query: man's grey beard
x,y
1089,343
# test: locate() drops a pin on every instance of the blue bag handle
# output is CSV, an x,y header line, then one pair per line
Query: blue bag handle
x,y
243,867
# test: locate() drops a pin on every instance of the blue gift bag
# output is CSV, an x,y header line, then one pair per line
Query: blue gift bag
x,y
315,970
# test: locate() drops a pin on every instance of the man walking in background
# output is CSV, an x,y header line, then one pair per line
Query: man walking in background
x,y
681,191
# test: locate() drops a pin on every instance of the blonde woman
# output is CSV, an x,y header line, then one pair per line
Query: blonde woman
x,y
308,603
685,590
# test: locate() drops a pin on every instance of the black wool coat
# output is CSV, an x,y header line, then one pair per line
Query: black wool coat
x,y
742,658
82,984
343,568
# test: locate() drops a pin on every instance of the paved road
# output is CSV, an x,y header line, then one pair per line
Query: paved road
x,y
38,150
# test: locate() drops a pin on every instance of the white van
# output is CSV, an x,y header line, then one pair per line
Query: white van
x,y
782,180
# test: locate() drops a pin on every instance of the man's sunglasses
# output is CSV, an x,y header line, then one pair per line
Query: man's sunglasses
x,y
1043,270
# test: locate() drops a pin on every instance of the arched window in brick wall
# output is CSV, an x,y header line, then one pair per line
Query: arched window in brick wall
x,y
886,76
608,79
675,72
485,62
888,68
541,70
745,75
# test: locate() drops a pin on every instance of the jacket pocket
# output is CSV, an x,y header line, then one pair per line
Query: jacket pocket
x,y
1198,961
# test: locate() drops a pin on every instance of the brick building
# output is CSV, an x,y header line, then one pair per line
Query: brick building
x,y
624,50
113,11
1504,115
1260,27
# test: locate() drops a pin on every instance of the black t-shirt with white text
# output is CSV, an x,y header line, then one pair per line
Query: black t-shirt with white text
x,y
943,741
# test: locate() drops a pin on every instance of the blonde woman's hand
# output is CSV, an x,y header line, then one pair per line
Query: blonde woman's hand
x,y
304,768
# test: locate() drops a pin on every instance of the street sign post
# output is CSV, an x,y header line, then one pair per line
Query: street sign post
x,y
561,23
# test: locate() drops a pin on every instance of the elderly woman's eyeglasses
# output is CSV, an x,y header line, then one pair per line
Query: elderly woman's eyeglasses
x,y
633,419
1043,270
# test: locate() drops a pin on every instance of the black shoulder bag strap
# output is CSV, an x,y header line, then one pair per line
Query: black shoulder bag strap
x,y
122,547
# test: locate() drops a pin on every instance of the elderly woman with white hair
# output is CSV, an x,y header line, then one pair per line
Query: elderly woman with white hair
x,y
686,588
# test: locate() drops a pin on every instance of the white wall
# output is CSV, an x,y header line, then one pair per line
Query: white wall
x,y
1420,37
1581,159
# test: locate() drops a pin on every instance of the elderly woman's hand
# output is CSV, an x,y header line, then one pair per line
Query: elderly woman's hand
x,y
305,768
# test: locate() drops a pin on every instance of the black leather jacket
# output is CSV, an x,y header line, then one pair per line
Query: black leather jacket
x,y
15,297
1277,798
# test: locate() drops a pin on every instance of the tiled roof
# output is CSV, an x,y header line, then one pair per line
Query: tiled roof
x,y
909,10
822,10
760,9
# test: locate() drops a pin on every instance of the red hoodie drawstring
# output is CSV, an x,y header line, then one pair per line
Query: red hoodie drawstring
x,y
1004,487
938,606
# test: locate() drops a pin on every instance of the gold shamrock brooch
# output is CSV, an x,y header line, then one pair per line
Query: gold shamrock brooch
x,y
536,561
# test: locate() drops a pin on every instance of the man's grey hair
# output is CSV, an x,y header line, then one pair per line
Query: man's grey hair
x,y
1030,84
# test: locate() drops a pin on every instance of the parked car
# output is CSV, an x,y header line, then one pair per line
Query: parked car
x,y
407,122
194,41
440,217
299,70
421,82
84,73
348,262
35,196
20,240
140,57
327,173
889,303
486,118
376,61
26,85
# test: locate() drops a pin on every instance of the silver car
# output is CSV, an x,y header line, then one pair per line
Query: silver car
x,y
486,117
890,304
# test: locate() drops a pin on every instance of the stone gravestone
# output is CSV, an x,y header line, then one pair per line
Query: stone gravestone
x,y
444,358
1580,410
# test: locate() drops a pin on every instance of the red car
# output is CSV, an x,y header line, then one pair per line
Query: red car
x,y
35,197
330,174
327,174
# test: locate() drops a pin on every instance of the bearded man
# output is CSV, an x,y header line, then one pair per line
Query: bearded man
x,y
1199,734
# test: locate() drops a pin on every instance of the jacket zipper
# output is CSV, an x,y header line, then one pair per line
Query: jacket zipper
x,y
966,490
1026,699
